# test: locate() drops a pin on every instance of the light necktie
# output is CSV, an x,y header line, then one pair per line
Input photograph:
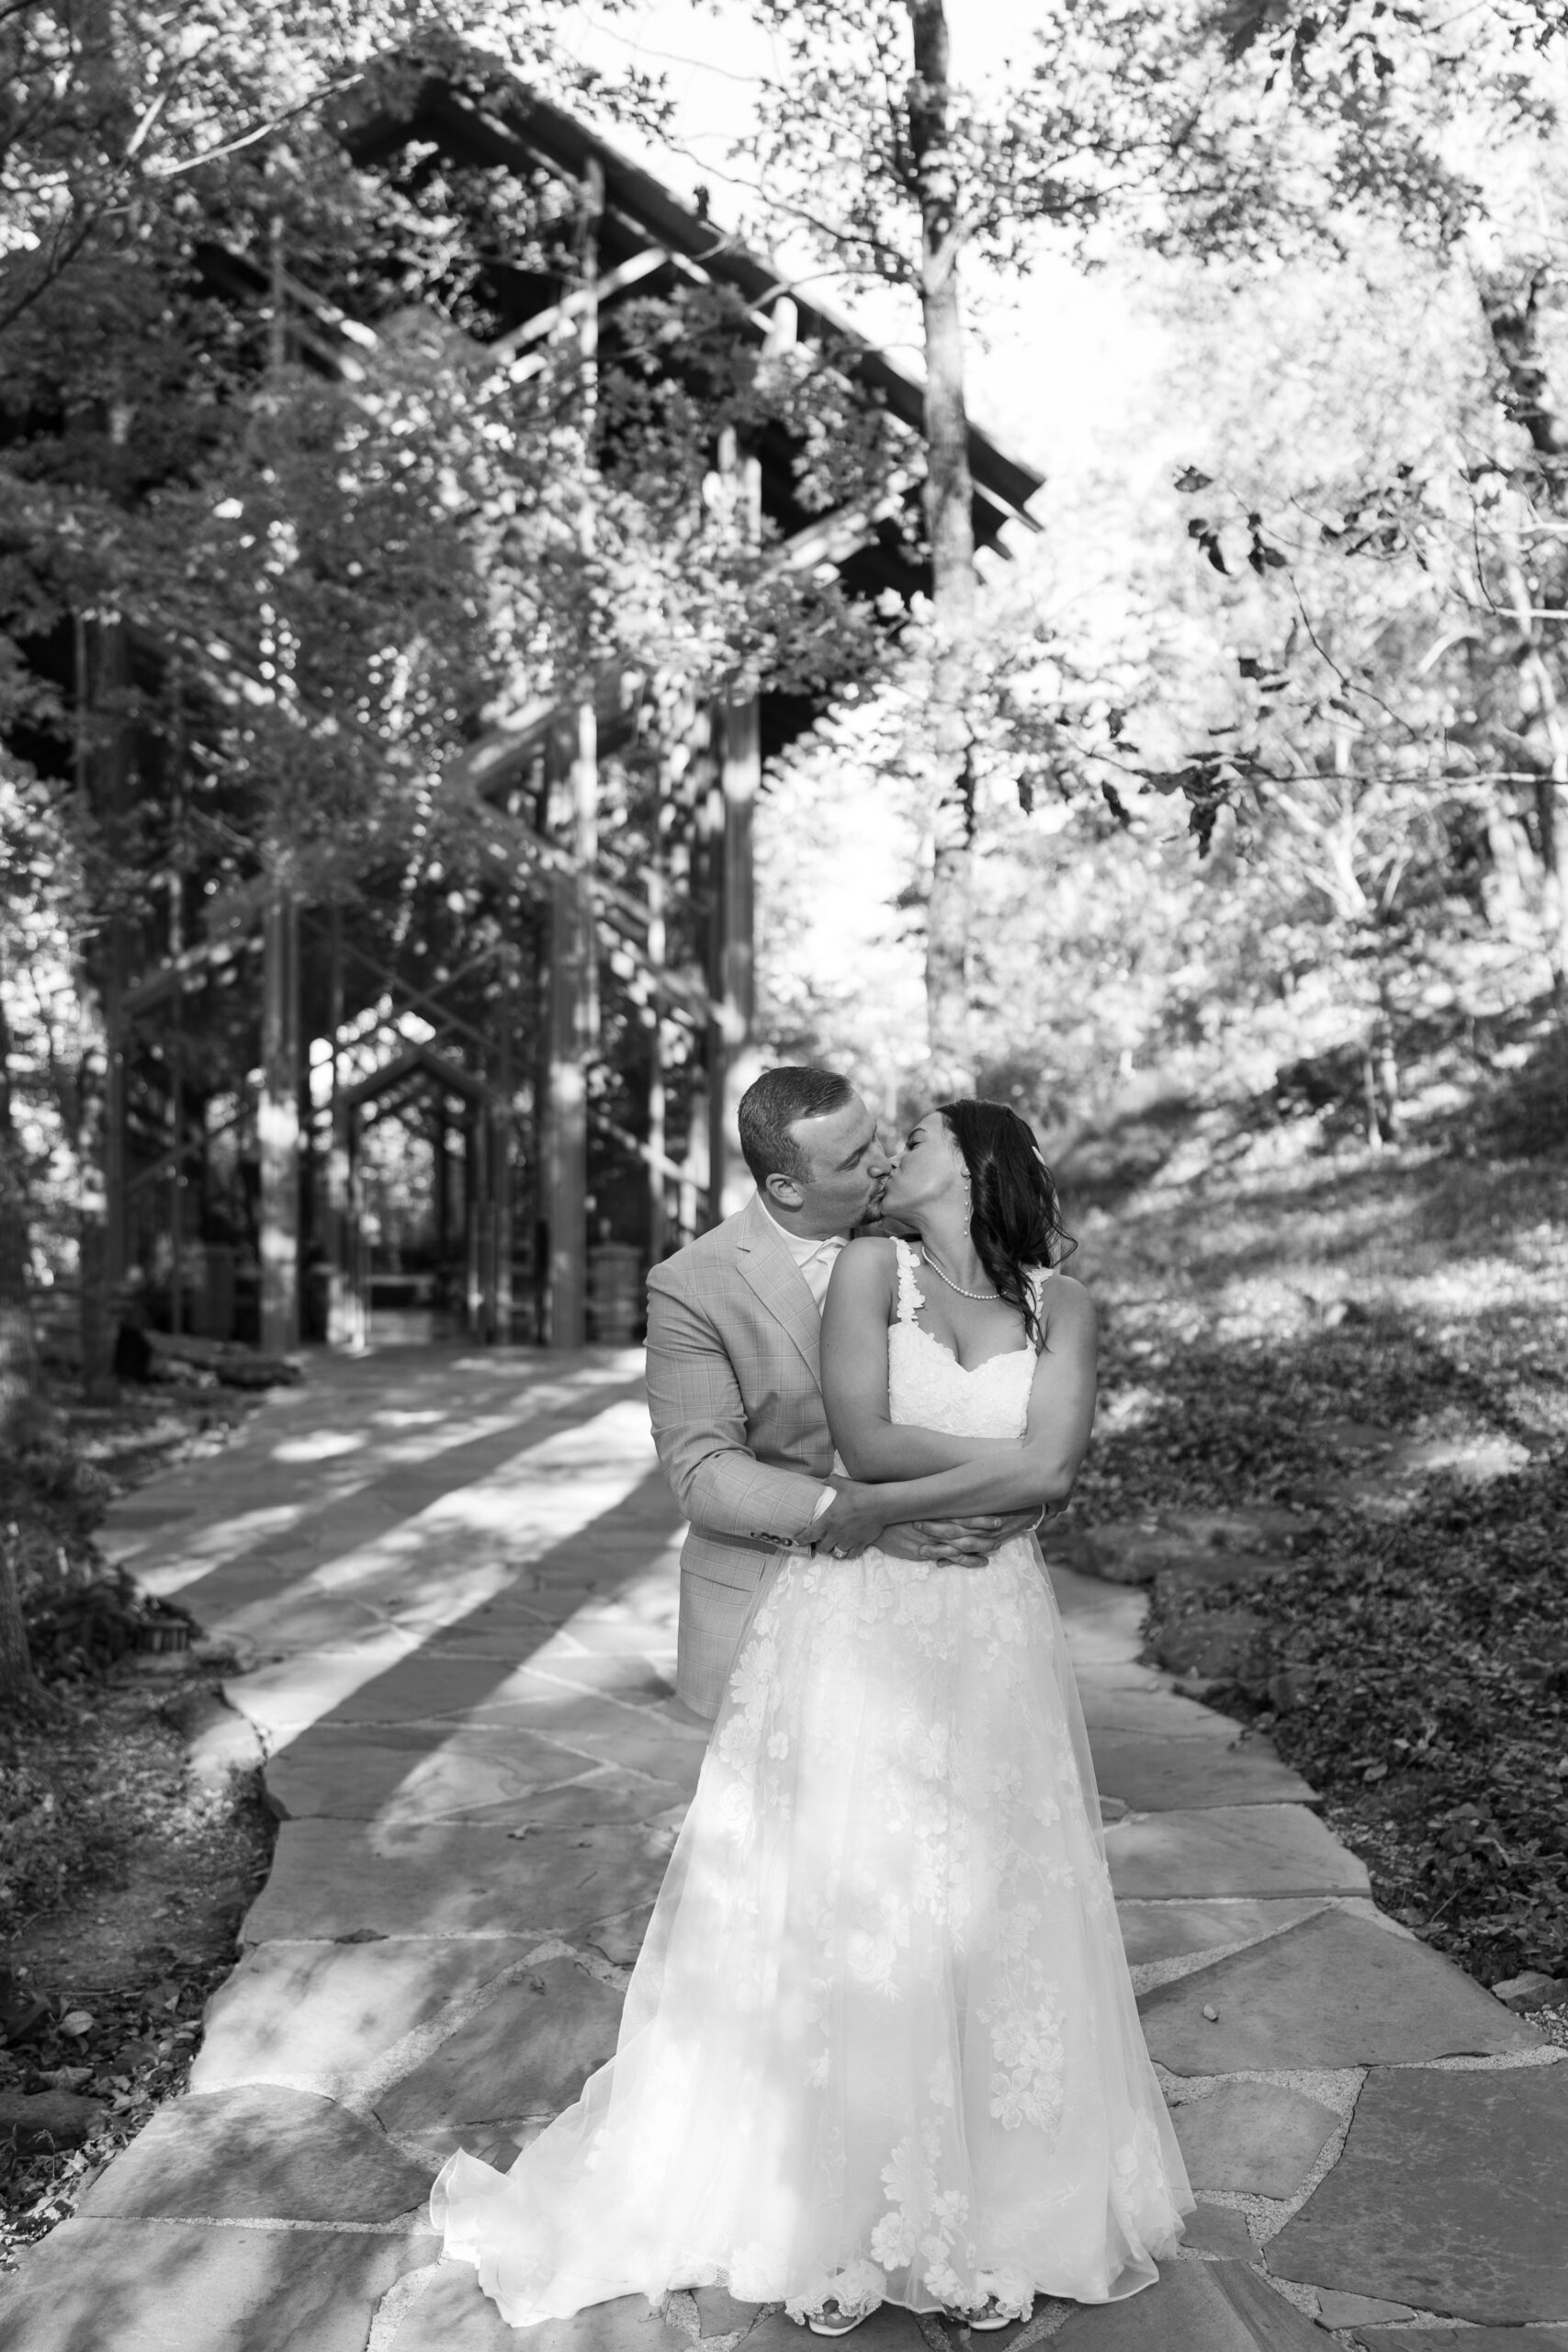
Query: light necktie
x,y
817,1269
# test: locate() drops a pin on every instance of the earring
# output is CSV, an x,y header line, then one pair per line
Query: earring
x,y
968,1204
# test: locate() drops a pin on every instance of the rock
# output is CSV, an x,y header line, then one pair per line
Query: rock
x,y
35,2122
411,1773
1169,1930
332,1877
1448,2196
1336,1991
1462,2339
1217,1645
718,2314
218,1740
1196,2307
1259,2138
1532,1990
527,2052
258,2153
889,2329
1217,2229
452,2314
1336,2310
155,2286
1261,1850
1199,1546
1159,1774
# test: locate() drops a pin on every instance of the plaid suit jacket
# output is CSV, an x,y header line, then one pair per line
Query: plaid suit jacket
x,y
735,1396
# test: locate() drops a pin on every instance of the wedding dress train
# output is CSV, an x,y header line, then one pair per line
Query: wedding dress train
x,y
881,2042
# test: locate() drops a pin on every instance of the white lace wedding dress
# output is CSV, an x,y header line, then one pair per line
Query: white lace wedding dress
x,y
881,2043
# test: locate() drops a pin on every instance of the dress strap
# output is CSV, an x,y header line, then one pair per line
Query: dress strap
x,y
909,1295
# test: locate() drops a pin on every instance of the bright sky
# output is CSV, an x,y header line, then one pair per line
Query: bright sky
x,y
1056,362
1061,368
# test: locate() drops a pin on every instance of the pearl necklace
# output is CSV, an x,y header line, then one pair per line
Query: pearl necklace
x,y
982,1295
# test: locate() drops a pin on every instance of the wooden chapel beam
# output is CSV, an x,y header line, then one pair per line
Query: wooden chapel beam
x,y
574,957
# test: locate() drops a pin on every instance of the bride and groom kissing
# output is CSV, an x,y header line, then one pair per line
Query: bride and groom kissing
x,y
880,2044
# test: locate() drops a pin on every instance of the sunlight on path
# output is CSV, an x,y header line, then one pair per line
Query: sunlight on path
x,y
452,1583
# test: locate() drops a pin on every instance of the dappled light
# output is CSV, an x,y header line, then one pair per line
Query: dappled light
x,y
663,668
321,1445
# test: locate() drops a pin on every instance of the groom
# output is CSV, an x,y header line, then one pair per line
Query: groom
x,y
734,1389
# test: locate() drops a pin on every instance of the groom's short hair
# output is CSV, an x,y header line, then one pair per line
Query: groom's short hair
x,y
770,1107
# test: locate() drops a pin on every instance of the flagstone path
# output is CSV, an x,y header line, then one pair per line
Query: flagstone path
x,y
450,1581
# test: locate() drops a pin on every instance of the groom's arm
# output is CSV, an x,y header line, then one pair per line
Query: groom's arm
x,y
699,1427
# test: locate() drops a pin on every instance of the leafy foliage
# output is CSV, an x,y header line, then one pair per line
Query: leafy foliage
x,y
1333,1314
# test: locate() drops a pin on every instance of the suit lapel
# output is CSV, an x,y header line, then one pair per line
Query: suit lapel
x,y
764,1260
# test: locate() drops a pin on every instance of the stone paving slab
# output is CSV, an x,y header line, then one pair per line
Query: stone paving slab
x,y
327,2014
1336,2310
1336,1991
187,2287
1264,1849
1462,2339
1257,2138
491,1632
451,2315
1219,2229
257,2152
645,1738
1449,2197
527,2052
456,1579
889,2329
1157,1774
1170,1931
1196,2307
430,1773
332,1879
1147,1705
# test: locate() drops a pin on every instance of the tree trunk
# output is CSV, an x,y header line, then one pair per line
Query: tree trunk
x,y
23,1411
950,524
103,778
21,1693
1551,826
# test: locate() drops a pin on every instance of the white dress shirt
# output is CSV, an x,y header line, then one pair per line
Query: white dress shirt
x,y
816,1258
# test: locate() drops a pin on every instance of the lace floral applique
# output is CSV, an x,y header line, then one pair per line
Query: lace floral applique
x,y
1029,2084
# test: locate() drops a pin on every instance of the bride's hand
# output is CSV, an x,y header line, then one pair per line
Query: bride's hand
x,y
957,1543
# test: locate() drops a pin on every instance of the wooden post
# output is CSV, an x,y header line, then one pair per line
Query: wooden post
x,y
442,1173
342,1319
473,1242
277,1126
734,1063
657,1177
177,1115
503,1120
574,1015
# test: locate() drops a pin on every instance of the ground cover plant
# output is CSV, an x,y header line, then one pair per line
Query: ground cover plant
x,y
1374,1347
123,1875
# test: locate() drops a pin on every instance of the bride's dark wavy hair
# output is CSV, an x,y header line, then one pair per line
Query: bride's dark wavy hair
x,y
1015,1217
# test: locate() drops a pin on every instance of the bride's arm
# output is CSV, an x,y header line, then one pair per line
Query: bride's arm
x,y
937,1475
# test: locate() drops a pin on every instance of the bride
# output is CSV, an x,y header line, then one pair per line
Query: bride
x,y
881,2044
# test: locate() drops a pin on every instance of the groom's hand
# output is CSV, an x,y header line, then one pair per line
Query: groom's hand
x,y
855,1519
